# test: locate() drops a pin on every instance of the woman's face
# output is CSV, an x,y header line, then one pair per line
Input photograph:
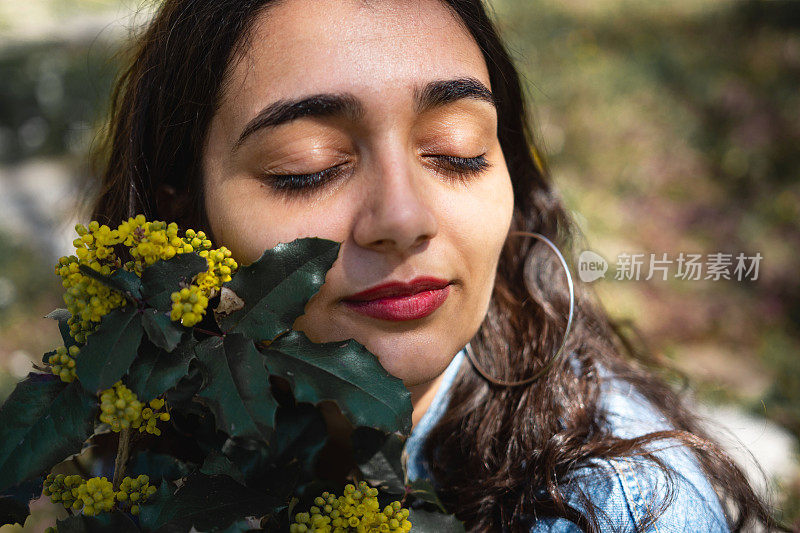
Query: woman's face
x,y
371,124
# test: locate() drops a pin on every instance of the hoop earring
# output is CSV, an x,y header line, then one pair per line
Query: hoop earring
x,y
549,364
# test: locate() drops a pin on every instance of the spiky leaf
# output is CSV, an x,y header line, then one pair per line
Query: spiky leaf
x,y
205,502
162,331
162,278
382,468
158,465
62,316
343,372
110,350
276,288
236,386
155,371
121,280
41,423
216,463
432,522
301,434
15,501
115,521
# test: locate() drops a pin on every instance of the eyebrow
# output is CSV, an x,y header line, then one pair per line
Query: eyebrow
x,y
434,94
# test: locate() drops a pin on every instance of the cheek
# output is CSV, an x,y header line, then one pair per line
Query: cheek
x,y
480,221
482,235
248,219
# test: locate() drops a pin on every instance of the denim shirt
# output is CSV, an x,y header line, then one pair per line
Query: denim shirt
x,y
624,491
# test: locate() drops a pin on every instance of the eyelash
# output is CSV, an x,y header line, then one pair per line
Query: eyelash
x,y
457,168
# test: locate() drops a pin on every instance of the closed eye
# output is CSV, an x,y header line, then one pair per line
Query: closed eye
x,y
296,182
451,166
461,167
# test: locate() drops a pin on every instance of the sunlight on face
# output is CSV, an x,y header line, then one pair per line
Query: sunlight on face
x,y
396,156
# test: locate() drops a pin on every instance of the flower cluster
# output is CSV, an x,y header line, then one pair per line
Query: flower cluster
x,y
134,491
97,494
91,496
59,488
94,496
120,408
190,303
151,415
98,247
62,363
87,299
357,510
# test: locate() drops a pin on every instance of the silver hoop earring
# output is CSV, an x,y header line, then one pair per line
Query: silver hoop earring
x,y
558,353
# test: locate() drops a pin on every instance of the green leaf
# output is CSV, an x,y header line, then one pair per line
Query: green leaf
x,y
155,371
205,503
120,280
127,282
157,465
216,463
115,521
46,356
59,314
62,316
110,350
289,460
162,278
184,392
162,331
431,522
422,489
382,468
41,423
276,288
346,373
13,511
236,386
14,502
301,434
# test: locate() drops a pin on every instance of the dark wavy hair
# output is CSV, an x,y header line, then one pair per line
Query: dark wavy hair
x,y
496,450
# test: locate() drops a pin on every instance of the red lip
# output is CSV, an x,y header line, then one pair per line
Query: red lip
x,y
395,289
397,300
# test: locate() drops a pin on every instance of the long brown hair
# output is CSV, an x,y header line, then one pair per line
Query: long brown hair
x,y
496,451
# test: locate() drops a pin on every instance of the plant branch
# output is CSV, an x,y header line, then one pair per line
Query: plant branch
x,y
122,456
207,332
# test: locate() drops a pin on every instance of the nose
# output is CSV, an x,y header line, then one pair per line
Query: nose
x,y
394,216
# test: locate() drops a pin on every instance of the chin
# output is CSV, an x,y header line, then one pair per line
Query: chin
x,y
413,362
415,355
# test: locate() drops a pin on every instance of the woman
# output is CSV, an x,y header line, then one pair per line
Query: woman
x,y
399,129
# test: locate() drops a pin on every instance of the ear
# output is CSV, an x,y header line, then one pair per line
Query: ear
x,y
171,205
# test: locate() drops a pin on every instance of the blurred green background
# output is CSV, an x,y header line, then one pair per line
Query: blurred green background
x,y
669,127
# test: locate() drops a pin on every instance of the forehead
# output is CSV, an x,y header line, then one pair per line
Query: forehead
x,y
374,49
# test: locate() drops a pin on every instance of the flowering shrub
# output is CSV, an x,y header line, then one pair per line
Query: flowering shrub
x,y
188,361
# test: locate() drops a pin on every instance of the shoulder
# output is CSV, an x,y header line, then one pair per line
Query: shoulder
x,y
634,493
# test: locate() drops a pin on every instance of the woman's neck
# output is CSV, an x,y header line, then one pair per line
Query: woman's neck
x,y
422,397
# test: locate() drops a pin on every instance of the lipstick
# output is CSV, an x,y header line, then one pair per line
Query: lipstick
x,y
399,300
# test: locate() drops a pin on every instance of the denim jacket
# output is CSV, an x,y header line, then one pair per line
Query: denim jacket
x,y
625,490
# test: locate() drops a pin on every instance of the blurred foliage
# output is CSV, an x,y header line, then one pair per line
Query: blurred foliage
x,y
51,95
673,127
29,289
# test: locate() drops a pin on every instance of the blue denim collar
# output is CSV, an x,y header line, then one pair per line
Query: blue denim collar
x,y
415,463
